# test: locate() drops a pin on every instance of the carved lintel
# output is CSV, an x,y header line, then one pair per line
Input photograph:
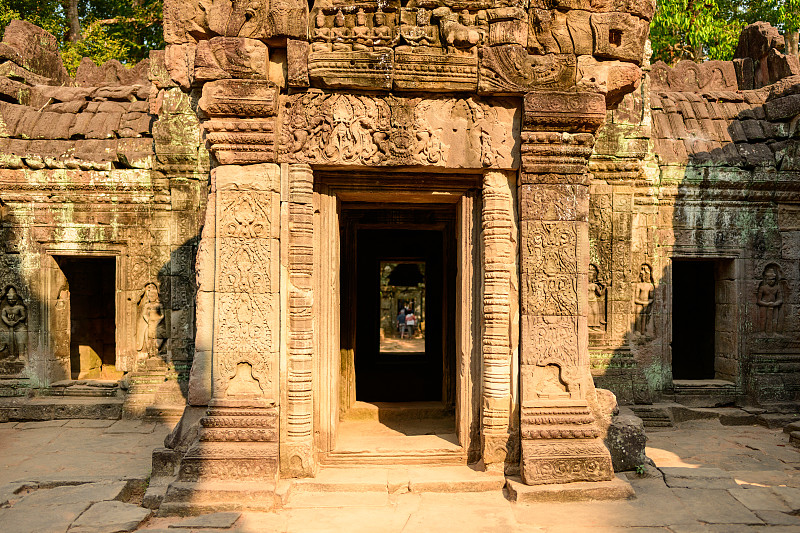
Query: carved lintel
x,y
352,70
570,112
435,72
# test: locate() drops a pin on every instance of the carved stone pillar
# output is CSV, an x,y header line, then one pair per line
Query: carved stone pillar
x,y
498,433
560,441
234,462
297,453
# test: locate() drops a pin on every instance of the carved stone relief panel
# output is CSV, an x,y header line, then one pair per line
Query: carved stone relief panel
x,y
324,128
188,22
246,280
772,294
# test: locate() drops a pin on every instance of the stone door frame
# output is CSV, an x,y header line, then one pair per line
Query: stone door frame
x,y
730,262
123,335
328,196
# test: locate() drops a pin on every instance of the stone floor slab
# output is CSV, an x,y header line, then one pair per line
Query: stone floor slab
x,y
337,499
778,518
697,478
790,496
110,517
716,507
206,521
759,499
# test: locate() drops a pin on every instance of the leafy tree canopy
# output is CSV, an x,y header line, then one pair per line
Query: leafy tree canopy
x,y
709,29
125,30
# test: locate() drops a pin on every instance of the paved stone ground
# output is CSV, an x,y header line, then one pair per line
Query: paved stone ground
x,y
710,478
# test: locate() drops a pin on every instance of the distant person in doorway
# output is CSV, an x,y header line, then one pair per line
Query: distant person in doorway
x,y
411,323
401,323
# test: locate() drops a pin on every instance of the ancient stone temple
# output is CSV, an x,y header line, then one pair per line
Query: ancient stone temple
x,y
299,220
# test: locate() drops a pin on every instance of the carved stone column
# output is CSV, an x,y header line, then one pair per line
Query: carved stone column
x,y
297,453
560,441
498,433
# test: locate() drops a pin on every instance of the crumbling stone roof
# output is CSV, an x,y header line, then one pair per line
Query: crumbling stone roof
x,y
729,128
49,120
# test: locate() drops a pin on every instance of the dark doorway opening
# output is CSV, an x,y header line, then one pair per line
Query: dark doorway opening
x,y
91,285
693,319
402,267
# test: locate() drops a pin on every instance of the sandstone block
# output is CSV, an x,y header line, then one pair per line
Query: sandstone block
x,y
783,108
33,48
231,57
297,62
619,36
626,442
614,79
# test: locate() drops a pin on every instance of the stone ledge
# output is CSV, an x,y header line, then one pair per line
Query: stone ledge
x,y
616,489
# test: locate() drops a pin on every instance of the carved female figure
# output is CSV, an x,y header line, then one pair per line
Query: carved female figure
x,y
643,300
597,300
150,330
769,297
14,315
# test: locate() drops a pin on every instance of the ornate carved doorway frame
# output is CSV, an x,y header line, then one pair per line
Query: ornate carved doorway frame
x,y
54,340
330,191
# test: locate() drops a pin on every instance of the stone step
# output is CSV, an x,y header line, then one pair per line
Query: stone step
x,y
397,411
654,416
373,482
163,413
705,392
727,416
776,420
616,489
61,408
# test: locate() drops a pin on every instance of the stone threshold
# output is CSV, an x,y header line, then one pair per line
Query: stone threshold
x,y
616,489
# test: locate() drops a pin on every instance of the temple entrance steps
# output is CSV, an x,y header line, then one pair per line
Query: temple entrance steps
x,y
705,392
402,433
360,486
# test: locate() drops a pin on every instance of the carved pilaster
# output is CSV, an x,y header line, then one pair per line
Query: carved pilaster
x,y
297,457
239,436
498,435
560,441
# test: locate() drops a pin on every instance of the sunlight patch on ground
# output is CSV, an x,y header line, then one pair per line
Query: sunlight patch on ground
x,y
664,458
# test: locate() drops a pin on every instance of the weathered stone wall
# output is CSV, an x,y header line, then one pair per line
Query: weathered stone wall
x,y
107,165
700,163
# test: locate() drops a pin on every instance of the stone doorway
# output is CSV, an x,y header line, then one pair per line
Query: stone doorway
x,y
693,312
397,294
87,300
705,339
401,317
449,209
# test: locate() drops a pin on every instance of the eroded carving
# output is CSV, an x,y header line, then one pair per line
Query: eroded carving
x,y
597,300
328,128
14,316
643,297
151,332
770,296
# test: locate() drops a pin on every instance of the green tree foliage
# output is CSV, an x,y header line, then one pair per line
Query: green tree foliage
x,y
125,30
709,29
